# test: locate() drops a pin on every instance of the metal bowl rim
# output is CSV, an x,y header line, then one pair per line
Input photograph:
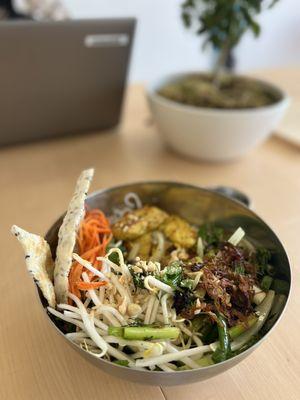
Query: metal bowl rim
x,y
238,357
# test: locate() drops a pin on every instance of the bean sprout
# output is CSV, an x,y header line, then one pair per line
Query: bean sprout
x,y
89,325
164,308
149,309
156,283
173,356
200,247
132,200
160,249
88,266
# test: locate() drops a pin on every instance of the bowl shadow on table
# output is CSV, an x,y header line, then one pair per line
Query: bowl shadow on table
x,y
288,147
172,151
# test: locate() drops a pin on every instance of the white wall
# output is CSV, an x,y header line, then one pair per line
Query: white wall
x,y
162,45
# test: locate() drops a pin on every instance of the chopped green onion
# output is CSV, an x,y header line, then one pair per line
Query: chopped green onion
x,y
266,282
183,368
240,328
223,351
277,307
188,283
116,331
148,333
263,310
123,363
205,361
237,236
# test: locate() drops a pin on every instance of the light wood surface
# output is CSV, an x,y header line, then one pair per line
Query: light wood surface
x,y
288,128
36,183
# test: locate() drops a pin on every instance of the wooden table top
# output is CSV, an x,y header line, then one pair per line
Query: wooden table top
x,y
36,183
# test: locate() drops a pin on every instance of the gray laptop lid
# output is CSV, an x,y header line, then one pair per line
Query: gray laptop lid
x,y
61,77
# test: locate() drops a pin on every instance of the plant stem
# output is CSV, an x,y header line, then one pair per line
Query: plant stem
x,y
221,62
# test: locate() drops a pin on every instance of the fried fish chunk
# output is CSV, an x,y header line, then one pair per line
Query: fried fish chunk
x,y
179,231
138,222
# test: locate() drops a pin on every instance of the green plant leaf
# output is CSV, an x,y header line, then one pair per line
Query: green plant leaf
x,y
223,22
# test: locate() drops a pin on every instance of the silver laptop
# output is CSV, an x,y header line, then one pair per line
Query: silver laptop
x,y
61,77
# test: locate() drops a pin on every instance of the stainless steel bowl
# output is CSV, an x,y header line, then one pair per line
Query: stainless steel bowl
x,y
197,205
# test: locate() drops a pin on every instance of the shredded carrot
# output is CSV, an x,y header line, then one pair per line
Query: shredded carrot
x,y
93,236
89,285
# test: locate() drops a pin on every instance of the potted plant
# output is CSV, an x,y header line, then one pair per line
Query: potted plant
x,y
218,115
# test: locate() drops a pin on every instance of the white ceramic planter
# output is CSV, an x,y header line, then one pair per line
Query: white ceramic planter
x,y
213,134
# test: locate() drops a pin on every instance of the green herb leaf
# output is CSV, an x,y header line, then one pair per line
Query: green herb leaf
x,y
138,279
172,274
114,257
211,234
262,257
187,283
239,268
